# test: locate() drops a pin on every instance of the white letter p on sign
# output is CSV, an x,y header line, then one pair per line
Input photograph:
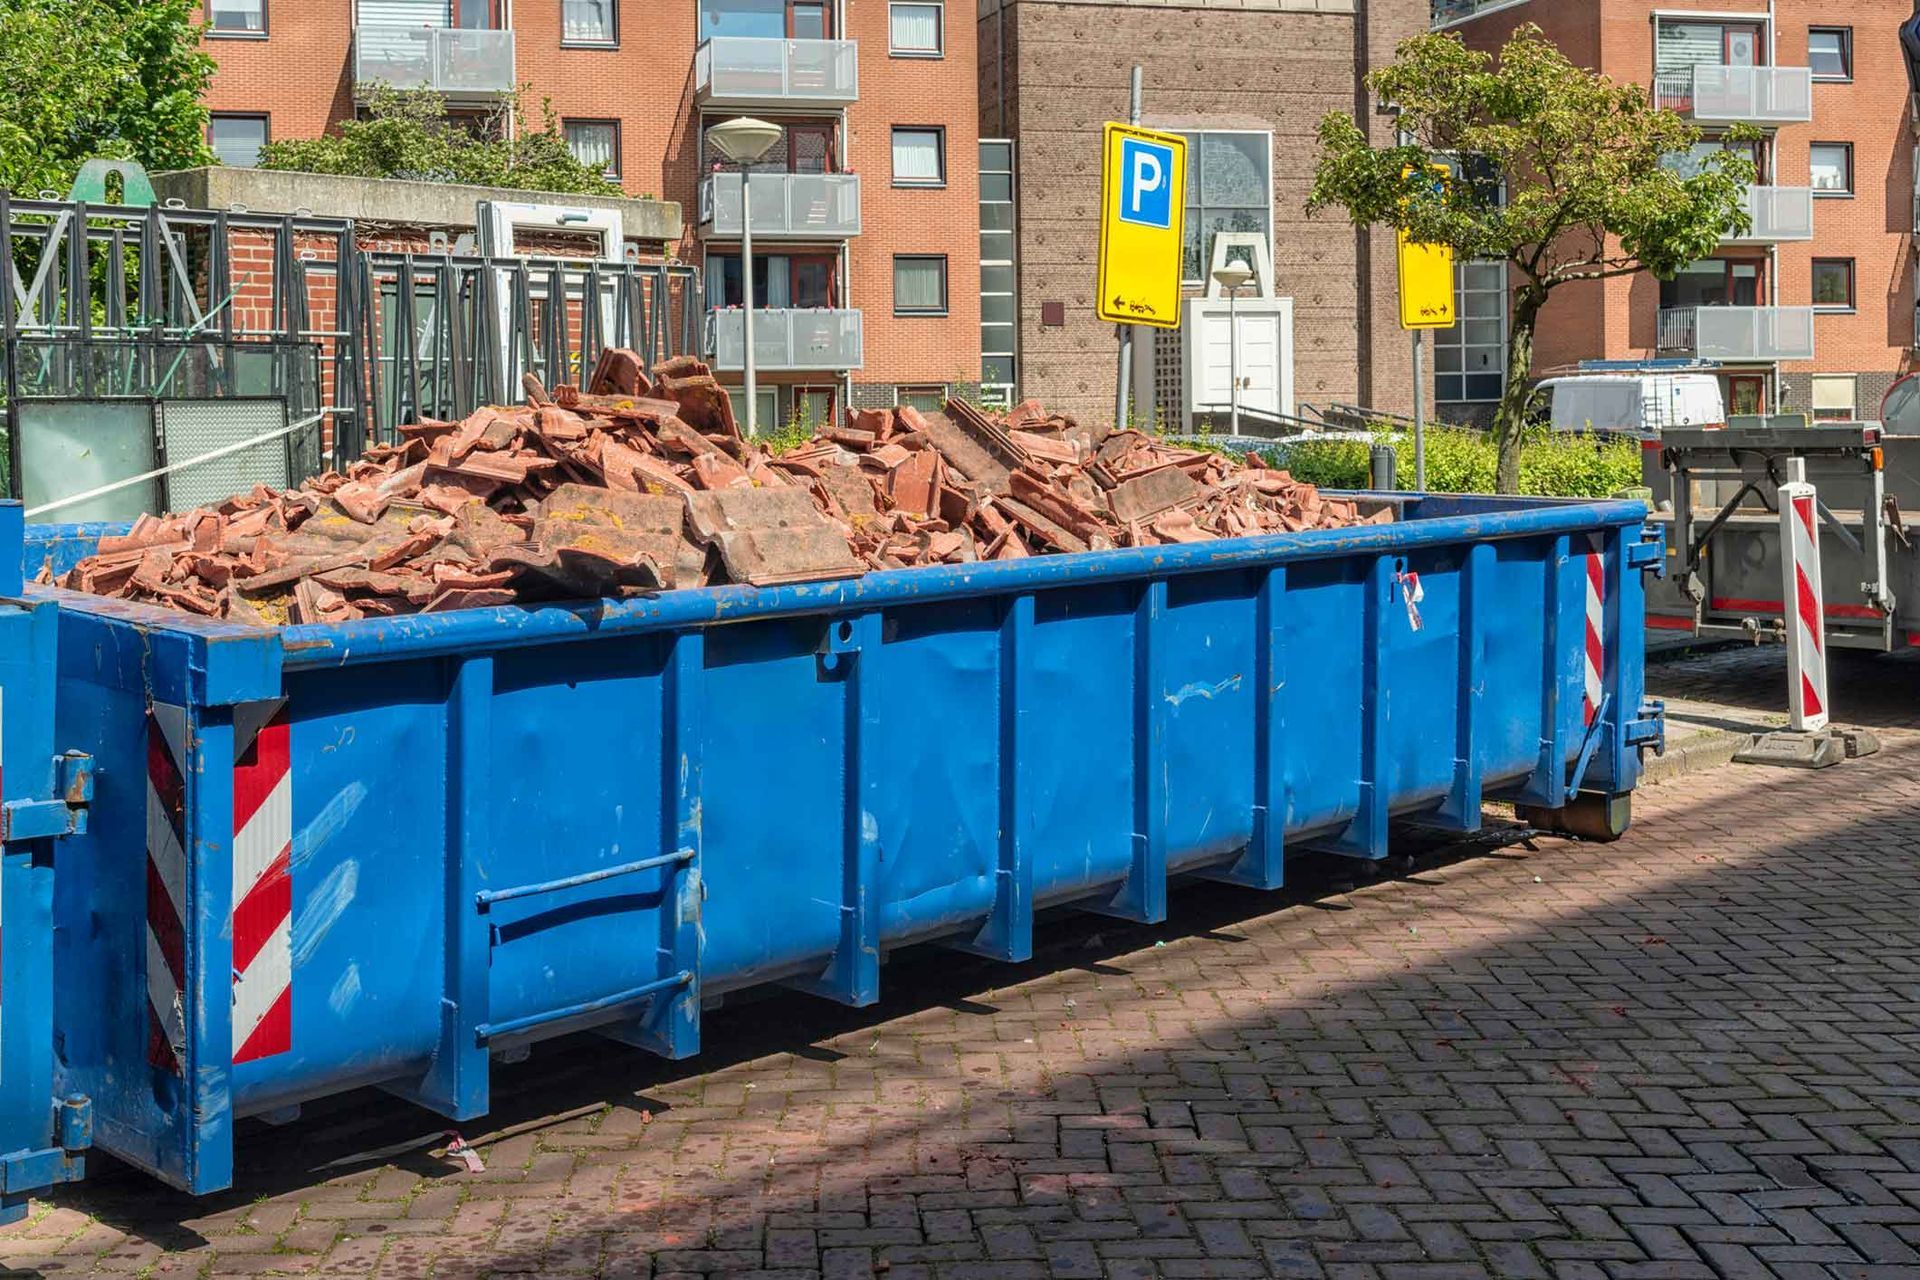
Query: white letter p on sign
x,y
1148,174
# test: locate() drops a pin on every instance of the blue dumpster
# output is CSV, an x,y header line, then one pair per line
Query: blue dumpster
x,y
383,852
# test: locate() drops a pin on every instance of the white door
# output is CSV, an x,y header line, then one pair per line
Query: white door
x,y
1265,358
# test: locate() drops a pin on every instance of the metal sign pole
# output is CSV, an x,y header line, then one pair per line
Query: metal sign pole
x,y
1124,383
1419,415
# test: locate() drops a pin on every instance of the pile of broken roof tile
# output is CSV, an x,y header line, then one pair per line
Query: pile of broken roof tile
x,y
644,483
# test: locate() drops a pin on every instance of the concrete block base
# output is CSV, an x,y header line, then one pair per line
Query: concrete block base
x,y
1820,749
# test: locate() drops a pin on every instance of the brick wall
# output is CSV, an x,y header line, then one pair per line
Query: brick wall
x,y
1052,71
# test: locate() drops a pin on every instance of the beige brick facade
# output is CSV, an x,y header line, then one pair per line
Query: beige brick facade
x,y
1051,71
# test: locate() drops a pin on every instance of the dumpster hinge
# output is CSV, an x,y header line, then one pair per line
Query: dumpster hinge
x,y
1650,551
51,819
1649,728
23,1172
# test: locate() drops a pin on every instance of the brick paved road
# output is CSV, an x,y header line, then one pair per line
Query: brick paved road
x,y
1694,1053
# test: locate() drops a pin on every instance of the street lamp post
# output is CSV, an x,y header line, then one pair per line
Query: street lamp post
x,y
1232,278
744,140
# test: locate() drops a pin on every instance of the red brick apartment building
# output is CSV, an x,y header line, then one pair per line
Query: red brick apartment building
x,y
866,215
1813,310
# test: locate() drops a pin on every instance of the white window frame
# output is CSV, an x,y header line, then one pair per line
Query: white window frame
x,y
212,32
1012,354
940,41
1193,151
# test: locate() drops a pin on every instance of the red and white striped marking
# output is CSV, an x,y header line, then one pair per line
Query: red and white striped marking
x,y
1596,656
262,884
166,886
1800,566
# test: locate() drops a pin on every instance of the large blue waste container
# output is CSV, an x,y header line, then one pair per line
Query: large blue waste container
x,y
381,852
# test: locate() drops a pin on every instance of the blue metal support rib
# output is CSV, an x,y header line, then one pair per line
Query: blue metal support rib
x,y
1008,931
1143,896
1461,810
456,1084
1560,672
1366,835
853,976
1262,864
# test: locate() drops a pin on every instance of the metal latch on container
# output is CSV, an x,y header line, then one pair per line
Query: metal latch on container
x,y
28,1171
1650,552
1649,728
49,819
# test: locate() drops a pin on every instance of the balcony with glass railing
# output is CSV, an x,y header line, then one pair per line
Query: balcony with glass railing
x,y
759,71
786,206
1714,94
459,63
814,339
1738,334
1777,214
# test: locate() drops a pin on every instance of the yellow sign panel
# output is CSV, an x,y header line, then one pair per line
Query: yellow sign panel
x,y
1426,285
1143,207
1426,278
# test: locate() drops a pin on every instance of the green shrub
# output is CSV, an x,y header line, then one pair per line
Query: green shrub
x,y
1459,460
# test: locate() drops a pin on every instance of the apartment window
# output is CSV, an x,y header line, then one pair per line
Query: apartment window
x,y
916,30
766,19
596,143
919,284
923,399
236,140
1832,168
1833,284
1229,188
589,22
236,17
1830,53
1833,396
805,281
1470,359
919,157
766,406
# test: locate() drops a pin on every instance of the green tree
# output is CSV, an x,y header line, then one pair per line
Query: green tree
x,y
408,134
1586,196
82,78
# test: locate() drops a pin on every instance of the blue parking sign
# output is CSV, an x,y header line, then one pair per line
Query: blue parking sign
x,y
1146,183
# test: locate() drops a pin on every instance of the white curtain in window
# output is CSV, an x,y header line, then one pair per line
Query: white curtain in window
x,y
239,15
916,155
1684,45
588,20
406,13
915,28
592,144
919,284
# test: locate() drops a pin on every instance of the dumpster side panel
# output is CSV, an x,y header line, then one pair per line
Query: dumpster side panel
x,y
575,772
938,765
1077,777
1205,692
774,738
1324,639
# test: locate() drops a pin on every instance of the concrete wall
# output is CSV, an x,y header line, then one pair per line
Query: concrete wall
x,y
654,224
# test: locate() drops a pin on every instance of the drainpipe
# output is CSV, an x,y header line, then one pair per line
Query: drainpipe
x,y
1773,247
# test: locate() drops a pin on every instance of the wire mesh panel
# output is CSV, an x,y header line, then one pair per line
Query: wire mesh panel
x,y
218,448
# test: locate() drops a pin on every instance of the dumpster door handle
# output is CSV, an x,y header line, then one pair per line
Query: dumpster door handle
x,y
485,899
52,819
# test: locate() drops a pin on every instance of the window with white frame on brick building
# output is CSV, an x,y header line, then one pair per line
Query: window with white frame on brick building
x,y
1229,188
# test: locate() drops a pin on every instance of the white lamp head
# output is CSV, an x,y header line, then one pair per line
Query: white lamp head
x,y
1233,275
744,139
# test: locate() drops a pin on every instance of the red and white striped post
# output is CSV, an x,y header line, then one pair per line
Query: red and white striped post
x,y
1800,567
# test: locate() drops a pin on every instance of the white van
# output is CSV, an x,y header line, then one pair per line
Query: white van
x,y
1635,404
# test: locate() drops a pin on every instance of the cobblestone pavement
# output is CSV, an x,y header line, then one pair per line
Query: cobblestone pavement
x,y
1690,1054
